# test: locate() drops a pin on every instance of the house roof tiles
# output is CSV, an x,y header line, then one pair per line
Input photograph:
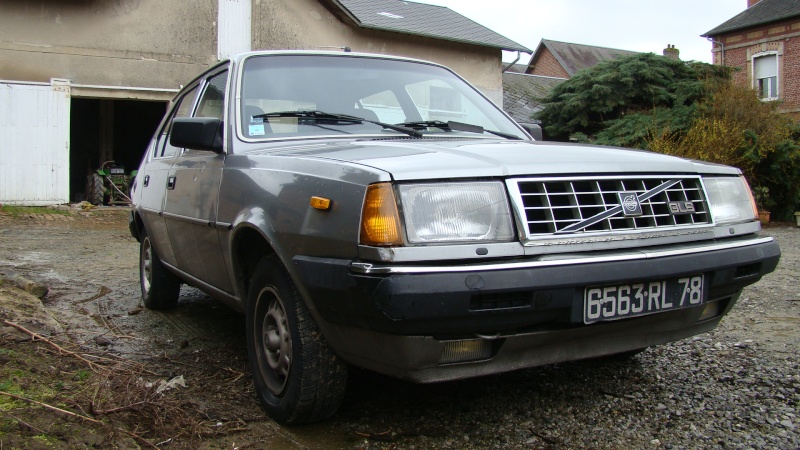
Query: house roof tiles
x,y
423,20
521,94
763,12
574,57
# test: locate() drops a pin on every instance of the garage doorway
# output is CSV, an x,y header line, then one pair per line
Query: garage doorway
x,y
108,130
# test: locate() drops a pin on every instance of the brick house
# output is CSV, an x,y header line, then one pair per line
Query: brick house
x,y
764,42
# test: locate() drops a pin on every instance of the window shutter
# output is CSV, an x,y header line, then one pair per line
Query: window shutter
x,y
765,66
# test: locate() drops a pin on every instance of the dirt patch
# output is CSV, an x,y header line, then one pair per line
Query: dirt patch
x,y
94,374
95,382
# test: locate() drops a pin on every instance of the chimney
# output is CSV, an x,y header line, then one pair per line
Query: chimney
x,y
752,2
672,53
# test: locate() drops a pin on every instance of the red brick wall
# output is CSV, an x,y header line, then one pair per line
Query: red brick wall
x,y
547,65
791,75
780,37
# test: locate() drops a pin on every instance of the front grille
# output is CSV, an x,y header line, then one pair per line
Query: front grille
x,y
592,205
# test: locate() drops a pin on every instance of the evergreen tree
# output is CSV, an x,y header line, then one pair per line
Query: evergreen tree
x,y
621,101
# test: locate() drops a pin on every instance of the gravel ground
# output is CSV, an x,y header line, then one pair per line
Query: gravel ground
x,y
736,387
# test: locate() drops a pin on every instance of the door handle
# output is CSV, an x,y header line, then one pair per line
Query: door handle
x,y
171,182
146,180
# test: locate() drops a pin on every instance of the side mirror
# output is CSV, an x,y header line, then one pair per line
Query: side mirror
x,y
197,133
534,130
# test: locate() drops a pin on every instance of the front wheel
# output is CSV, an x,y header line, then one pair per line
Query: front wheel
x,y
94,189
160,288
298,378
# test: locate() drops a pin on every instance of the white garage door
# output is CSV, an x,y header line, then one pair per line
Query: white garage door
x,y
34,143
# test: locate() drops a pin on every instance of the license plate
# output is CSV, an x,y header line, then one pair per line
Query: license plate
x,y
621,301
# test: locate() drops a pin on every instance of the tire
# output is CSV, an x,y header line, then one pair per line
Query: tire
x,y
160,288
298,378
94,189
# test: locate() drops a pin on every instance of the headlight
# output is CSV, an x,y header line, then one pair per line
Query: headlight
x,y
730,200
456,212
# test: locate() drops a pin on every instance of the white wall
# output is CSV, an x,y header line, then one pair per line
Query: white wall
x,y
234,27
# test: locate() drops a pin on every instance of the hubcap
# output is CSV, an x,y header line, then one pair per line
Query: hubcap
x,y
276,341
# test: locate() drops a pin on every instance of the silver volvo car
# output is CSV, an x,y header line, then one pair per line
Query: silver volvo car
x,y
381,212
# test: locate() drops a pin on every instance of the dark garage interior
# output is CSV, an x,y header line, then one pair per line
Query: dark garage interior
x,y
108,130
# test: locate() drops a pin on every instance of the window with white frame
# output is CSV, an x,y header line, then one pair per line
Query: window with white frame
x,y
765,76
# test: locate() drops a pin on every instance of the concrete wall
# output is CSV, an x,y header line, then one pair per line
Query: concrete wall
x,y
131,43
161,44
308,25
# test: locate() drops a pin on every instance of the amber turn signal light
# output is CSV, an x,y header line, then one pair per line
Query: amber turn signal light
x,y
320,203
380,223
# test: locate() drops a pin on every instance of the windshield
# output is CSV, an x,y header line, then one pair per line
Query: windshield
x,y
280,94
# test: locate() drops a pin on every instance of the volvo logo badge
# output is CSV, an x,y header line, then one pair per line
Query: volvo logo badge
x,y
630,204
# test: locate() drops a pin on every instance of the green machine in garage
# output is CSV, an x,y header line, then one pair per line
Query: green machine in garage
x,y
109,185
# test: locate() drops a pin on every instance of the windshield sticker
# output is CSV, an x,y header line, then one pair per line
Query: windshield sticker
x,y
257,130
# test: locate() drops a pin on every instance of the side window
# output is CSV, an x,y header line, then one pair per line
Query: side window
x,y
445,99
436,100
182,109
765,75
384,105
212,101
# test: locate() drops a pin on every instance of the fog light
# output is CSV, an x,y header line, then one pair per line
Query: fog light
x,y
711,310
466,350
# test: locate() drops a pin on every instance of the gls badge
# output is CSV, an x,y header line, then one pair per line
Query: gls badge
x,y
677,208
630,204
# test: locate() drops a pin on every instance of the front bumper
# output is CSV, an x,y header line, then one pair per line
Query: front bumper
x,y
394,319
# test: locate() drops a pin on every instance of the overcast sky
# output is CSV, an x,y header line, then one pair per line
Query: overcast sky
x,y
637,25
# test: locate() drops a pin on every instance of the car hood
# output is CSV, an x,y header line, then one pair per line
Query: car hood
x,y
415,159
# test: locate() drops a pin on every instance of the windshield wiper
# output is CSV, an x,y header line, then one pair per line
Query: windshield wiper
x,y
457,126
322,115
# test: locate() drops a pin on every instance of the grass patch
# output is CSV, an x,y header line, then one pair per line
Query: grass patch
x,y
16,211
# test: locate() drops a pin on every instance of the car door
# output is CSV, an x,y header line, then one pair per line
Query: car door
x,y
153,180
192,197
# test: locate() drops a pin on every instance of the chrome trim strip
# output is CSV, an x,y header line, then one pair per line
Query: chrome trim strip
x,y
187,219
199,284
371,269
673,232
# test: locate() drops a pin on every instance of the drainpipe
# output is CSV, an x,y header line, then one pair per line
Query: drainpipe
x,y
519,55
722,47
